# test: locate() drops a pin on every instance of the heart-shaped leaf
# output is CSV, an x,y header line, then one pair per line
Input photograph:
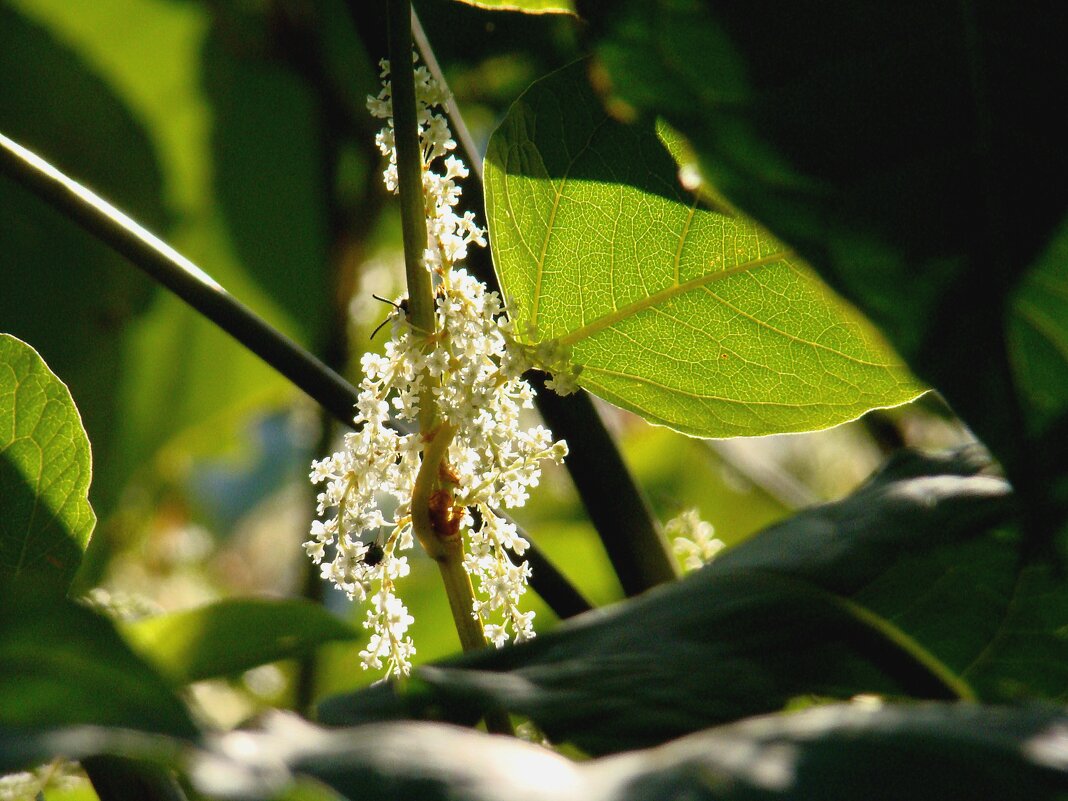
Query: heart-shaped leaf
x,y
691,316
911,158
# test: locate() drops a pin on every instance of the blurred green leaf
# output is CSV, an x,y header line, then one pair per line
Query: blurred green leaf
x,y
229,637
778,616
270,166
61,664
65,293
1038,333
147,374
690,316
910,157
835,753
938,751
45,470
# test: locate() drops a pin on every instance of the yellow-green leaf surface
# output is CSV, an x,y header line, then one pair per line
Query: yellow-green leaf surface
x,y
690,316
526,6
45,468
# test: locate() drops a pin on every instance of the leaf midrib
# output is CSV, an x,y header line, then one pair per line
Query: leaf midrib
x,y
601,323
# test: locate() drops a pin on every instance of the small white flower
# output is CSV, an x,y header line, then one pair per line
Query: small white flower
x,y
694,539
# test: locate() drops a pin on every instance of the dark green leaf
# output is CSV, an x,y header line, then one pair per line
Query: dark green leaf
x,y
691,316
228,637
911,157
45,470
934,751
779,616
61,664
992,620
834,753
1038,334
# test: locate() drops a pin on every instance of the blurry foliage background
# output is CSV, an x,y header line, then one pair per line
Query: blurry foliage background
x,y
236,130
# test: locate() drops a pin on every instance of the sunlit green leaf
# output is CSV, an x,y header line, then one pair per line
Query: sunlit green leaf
x,y
61,664
228,637
690,316
45,470
910,158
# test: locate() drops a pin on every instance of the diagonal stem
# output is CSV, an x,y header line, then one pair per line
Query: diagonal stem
x,y
165,265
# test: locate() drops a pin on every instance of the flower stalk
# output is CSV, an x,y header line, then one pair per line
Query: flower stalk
x,y
409,167
430,524
458,375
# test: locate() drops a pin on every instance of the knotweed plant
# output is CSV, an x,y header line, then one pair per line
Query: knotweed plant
x,y
465,377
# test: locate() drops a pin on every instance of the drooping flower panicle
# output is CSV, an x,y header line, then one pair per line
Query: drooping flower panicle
x,y
471,371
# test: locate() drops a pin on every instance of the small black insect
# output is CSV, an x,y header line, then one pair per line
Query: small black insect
x,y
402,307
375,554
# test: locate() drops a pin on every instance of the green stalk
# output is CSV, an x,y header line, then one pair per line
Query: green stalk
x,y
409,166
431,521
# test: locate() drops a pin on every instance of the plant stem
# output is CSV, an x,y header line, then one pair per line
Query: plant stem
x,y
616,505
174,271
633,540
458,588
433,522
444,544
409,165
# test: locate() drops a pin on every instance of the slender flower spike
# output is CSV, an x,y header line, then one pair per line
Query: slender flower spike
x,y
470,370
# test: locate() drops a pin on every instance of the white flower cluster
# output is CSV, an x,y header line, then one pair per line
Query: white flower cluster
x,y
471,374
448,234
694,540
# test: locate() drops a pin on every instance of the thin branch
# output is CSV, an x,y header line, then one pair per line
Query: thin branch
x,y
165,265
173,270
615,503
